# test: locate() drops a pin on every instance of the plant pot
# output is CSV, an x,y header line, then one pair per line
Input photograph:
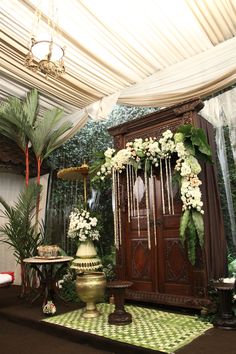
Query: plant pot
x,y
91,288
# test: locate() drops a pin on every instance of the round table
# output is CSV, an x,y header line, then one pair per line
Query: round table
x,y
49,270
117,289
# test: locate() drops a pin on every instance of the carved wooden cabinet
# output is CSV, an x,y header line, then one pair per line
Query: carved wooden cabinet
x,y
162,274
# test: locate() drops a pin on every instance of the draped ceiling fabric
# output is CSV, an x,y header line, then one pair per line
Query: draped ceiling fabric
x,y
149,53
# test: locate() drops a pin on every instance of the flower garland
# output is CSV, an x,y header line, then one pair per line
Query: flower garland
x,y
189,144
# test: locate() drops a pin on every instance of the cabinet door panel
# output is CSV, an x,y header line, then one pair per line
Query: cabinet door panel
x,y
173,268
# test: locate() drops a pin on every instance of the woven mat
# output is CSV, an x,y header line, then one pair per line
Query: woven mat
x,y
151,328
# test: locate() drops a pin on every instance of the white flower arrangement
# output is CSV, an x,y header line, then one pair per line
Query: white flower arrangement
x,y
187,143
82,226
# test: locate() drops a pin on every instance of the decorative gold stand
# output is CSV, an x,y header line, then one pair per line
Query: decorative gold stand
x,y
91,288
90,285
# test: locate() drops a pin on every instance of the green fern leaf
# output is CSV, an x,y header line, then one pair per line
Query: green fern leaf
x,y
183,225
199,226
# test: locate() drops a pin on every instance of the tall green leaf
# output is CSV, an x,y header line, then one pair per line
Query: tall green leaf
x,y
199,225
183,225
191,241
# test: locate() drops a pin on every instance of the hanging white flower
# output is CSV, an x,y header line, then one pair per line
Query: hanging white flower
x,y
185,169
109,152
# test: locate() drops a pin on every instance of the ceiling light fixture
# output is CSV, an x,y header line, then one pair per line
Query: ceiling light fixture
x,y
44,54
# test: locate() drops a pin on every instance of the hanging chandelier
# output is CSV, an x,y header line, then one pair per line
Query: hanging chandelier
x,y
45,55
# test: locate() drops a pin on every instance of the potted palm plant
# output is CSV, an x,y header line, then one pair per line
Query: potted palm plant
x,y
20,230
21,122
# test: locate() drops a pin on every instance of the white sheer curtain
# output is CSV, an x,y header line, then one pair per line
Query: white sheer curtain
x,y
215,111
228,103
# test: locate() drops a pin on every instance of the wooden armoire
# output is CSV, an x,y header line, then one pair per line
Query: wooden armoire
x,y
163,274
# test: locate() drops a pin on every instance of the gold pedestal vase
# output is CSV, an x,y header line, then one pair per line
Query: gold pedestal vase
x,y
90,288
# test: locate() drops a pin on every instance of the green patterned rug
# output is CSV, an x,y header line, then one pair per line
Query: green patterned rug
x,y
151,328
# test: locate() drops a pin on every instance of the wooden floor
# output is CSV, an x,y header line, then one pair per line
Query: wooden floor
x,y
23,332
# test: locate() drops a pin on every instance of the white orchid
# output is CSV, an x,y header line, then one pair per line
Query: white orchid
x,y
82,226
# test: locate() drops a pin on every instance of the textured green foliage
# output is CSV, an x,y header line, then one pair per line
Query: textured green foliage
x,y
199,139
196,142
191,241
192,232
185,129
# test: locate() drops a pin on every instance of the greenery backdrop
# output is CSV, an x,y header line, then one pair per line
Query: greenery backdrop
x,y
84,146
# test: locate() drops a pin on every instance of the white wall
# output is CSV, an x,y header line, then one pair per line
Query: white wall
x,y
10,187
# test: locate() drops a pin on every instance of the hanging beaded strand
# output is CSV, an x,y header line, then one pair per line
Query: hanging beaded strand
x,y
171,187
115,208
153,207
128,190
162,189
138,214
167,185
119,207
147,204
132,187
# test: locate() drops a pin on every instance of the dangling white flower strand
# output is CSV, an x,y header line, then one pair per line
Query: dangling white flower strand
x,y
137,203
128,191
153,207
162,189
171,188
167,185
115,208
119,207
147,205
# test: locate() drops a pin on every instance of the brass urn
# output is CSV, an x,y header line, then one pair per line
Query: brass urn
x,y
90,288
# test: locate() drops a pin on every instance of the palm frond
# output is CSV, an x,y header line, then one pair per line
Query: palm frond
x,y
13,122
40,136
54,142
19,231
30,106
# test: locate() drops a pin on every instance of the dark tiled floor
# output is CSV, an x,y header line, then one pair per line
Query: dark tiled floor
x,y
22,332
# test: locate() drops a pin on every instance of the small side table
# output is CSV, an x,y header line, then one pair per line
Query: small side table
x,y
119,316
48,270
225,318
